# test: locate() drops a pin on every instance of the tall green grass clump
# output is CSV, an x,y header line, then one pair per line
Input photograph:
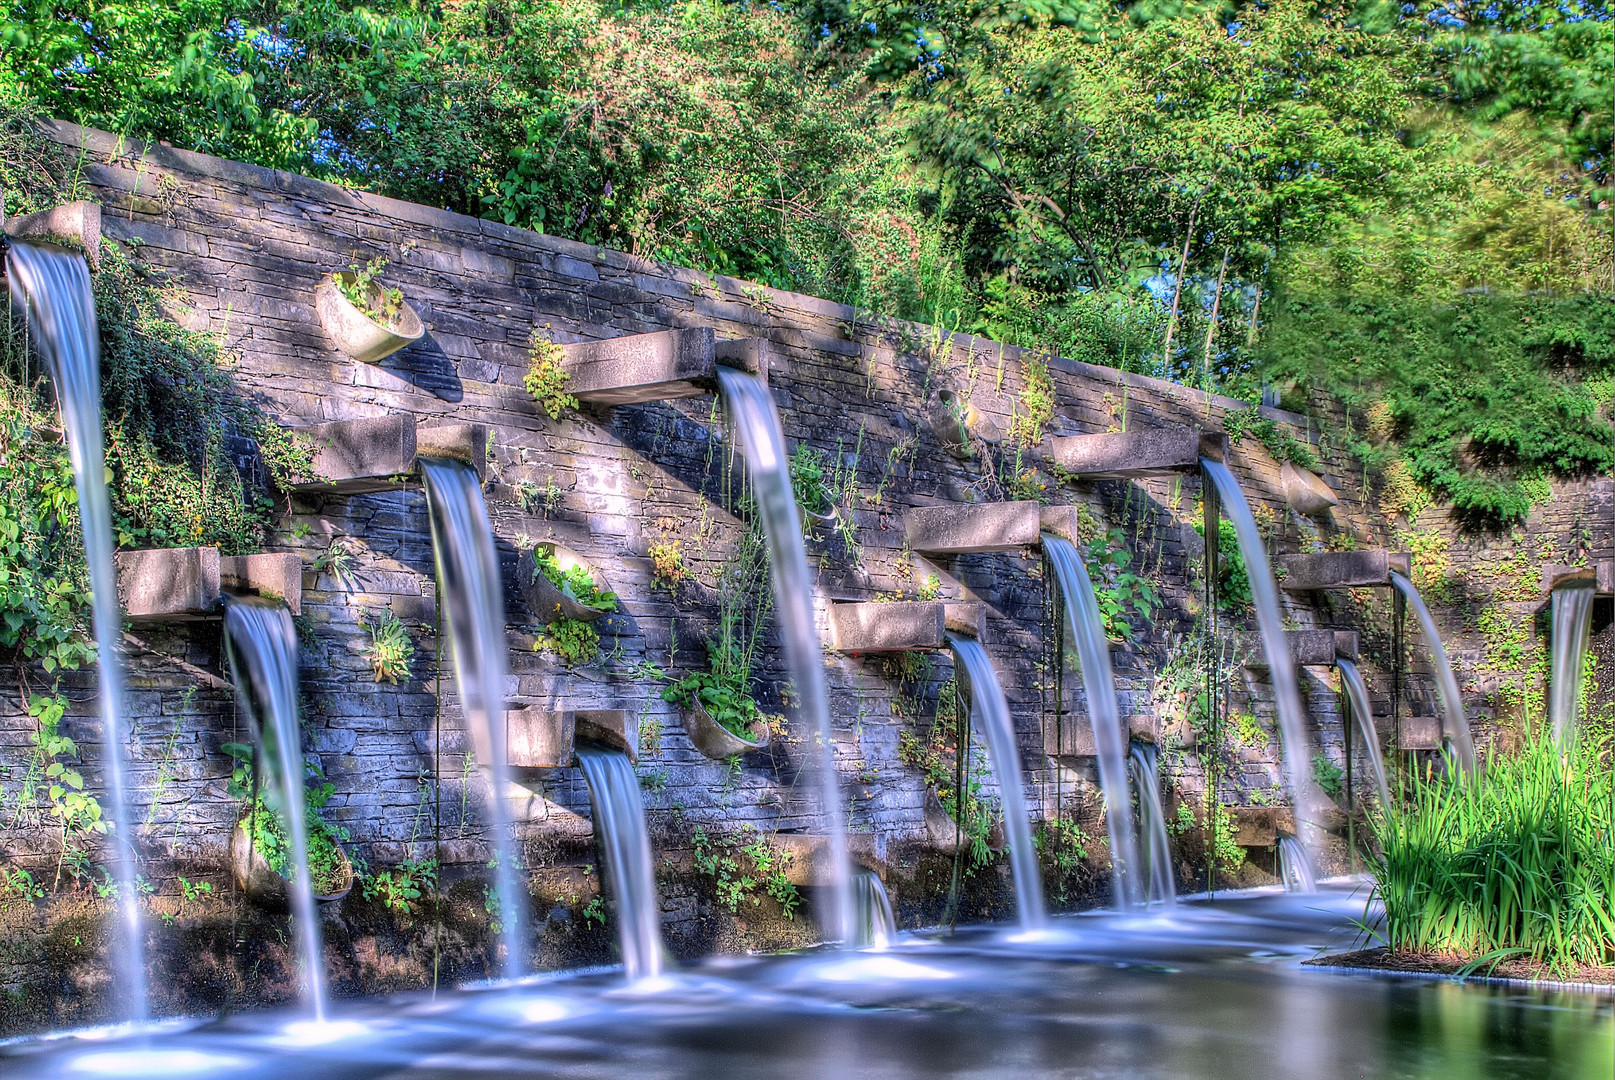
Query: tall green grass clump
x,y
1516,861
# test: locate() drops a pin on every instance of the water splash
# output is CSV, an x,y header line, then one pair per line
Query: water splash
x,y
989,709
262,647
1085,627
1572,627
876,924
1304,793
619,815
757,425
1456,727
1357,694
1143,767
1295,869
52,286
468,578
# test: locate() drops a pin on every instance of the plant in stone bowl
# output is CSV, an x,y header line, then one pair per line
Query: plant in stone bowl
x,y
560,584
366,319
260,851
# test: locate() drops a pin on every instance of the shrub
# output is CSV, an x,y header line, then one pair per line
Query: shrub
x,y
364,292
1513,861
573,640
546,380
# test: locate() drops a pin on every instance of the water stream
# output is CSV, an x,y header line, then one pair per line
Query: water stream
x,y
262,647
52,286
756,422
619,818
1572,625
990,711
1357,695
474,596
1143,766
1456,727
1304,793
877,926
1085,628
1295,868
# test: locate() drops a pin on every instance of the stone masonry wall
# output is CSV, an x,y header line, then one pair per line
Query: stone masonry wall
x,y
244,249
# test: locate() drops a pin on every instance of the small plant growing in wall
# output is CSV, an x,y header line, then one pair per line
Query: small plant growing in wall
x,y
936,757
391,650
546,379
667,567
744,866
574,641
1034,410
329,871
1123,595
364,290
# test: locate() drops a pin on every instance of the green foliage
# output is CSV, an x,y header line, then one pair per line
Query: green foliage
x,y
1124,597
573,640
1233,582
746,864
546,379
936,757
574,581
1035,405
808,481
1328,776
391,650
328,867
1227,855
365,292
1062,847
1279,442
399,887
1516,857
667,563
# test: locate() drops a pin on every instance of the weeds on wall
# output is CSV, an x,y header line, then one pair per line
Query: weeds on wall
x,y
667,567
1062,849
936,758
364,291
1279,442
746,865
1034,410
1125,597
546,379
391,650
328,867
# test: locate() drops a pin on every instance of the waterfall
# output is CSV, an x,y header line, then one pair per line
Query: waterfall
x,y
1457,724
53,288
757,425
1307,798
1357,695
619,817
262,647
876,925
1142,766
1086,628
1295,869
471,590
987,705
1572,624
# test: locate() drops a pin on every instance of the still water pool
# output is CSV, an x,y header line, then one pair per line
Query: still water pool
x,y
1213,990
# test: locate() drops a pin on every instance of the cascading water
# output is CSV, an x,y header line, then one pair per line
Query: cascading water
x,y
876,924
262,647
469,583
619,815
1357,695
1085,627
52,286
1295,869
1142,766
991,711
1307,798
1457,724
1572,625
756,423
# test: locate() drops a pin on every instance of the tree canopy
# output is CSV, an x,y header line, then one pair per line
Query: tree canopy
x,y
1405,207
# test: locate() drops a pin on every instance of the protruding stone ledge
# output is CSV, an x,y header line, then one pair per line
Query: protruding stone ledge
x,y
1124,455
641,367
271,574
1340,570
1072,736
967,617
1601,574
169,584
893,627
969,527
614,728
1312,648
749,354
77,222
809,861
538,738
381,453
1420,733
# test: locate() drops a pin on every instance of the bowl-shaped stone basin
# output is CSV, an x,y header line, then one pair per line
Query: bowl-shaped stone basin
x,y
547,601
259,882
356,333
716,741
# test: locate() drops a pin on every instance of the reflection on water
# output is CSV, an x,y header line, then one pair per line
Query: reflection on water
x,y
1210,990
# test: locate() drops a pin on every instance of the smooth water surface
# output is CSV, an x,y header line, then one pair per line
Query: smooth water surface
x,y
262,647
52,286
619,817
1085,630
989,713
756,424
1216,990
